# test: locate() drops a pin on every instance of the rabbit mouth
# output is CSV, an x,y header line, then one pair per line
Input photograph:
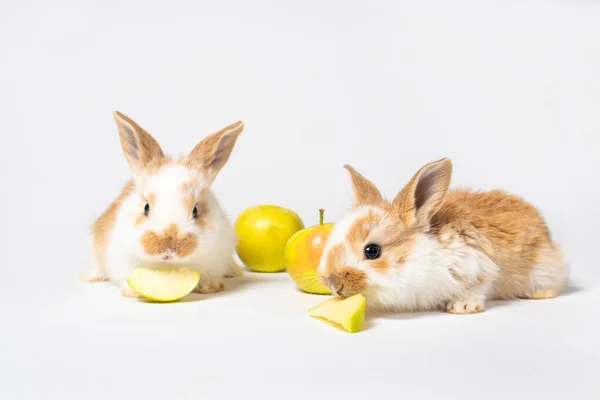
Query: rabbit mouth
x,y
171,258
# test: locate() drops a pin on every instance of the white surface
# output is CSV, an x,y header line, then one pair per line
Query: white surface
x,y
509,90
257,340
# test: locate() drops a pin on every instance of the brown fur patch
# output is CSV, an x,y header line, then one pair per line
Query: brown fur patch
x,y
398,241
510,231
156,165
151,200
424,193
202,220
193,198
353,281
359,231
212,153
102,227
141,216
139,219
186,245
365,192
139,147
335,256
156,244
380,265
346,280
188,205
189,188
153,243
395,240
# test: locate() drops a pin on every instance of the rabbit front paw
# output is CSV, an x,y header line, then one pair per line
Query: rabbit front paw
x,y
93,275
234,271
209,286
465,307
127,291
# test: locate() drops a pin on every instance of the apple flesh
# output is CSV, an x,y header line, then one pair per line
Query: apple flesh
x,y
349,313
163,285
262,234
303,254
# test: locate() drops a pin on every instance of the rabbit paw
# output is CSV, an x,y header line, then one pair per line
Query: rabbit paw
x,y
209,287
92,275
234,271
465,307
541,294
127,291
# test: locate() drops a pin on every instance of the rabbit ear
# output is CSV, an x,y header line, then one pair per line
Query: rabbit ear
x,y
365,192
139,146
423,196
213,152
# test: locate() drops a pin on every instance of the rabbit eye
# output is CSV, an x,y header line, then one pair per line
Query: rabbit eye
x,y
146,209
195,212
372,251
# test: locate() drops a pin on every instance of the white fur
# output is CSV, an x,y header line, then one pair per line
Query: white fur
x,y
426,279
213,256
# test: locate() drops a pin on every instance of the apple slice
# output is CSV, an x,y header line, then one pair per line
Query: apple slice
x,y
348,312
163,285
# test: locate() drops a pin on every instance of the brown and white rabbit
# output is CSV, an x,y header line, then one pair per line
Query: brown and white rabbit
x,y
167,215
434,248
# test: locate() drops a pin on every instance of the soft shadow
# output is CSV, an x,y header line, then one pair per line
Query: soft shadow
x,y
490,304
571,289
368,325
339,327
231,285
408,315
331,323
399,315
568,291
314,294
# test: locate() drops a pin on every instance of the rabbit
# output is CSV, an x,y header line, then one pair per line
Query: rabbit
x,y
167,215
431,248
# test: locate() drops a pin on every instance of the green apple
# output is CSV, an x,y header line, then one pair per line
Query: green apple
x,y
262,234
303,254
163,285
349,313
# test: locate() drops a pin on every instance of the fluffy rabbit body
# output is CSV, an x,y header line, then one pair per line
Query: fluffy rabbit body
x,y
434,248
167,215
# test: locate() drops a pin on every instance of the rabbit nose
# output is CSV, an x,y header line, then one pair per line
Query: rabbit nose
x,y
333,282
168,254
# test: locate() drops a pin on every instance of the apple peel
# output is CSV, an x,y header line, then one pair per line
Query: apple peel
x,y
163,285
347,313
303,253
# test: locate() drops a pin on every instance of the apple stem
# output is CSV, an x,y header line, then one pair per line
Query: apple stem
x,y
321,213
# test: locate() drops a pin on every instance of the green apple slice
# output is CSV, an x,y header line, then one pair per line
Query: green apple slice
x,y
163,285
349,313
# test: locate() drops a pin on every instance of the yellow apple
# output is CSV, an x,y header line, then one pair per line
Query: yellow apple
x,y
262,233
163,285
303,253
349,313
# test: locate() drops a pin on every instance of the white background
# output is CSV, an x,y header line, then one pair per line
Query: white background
x,y
509,90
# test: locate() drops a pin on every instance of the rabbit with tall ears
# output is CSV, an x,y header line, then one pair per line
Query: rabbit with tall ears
x,y
167,215
434,248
